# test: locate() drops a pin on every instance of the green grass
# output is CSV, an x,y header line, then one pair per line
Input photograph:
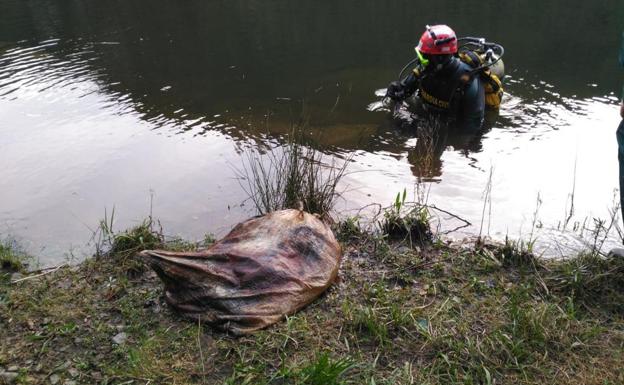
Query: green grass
x,y
11,258
404,222
397,316
124,245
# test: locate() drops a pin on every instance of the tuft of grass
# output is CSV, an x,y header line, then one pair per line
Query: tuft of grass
x,y
12,260
591,280
402,222
349,229
324,371
291,176
517,253
140,237
122,246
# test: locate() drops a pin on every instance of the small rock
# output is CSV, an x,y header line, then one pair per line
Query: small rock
x,y
38,368
16,276
120,327
69,382
120,338
54,379
403,249
73,372
96,376
13,368
8,377
66,284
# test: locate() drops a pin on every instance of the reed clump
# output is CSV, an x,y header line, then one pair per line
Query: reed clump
x,y
291,176
402,221
123,246
11,259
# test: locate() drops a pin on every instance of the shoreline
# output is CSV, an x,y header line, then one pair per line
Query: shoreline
x,y
398,314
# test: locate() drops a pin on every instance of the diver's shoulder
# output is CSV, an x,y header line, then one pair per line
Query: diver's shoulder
x,y
463,67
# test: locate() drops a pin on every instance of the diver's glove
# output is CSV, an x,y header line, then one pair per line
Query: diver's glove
x,y
396,91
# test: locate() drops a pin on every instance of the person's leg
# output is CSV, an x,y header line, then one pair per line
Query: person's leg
x,y
620,141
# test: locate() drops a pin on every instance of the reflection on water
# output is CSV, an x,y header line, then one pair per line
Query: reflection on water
x,y
103,104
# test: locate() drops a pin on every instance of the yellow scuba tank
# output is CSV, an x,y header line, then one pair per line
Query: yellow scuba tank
x,y
489,64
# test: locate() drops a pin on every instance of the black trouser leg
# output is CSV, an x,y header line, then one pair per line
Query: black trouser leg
x,y
620,141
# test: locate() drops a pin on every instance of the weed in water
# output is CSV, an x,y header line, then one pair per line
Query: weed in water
x,y
291,176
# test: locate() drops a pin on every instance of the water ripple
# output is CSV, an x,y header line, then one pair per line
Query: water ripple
x,y
52,64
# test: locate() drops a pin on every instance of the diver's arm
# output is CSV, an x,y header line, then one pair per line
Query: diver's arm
x,y
405,88
410,84
472,104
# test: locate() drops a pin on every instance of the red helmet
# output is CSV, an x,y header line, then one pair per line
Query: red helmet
x,y
438,40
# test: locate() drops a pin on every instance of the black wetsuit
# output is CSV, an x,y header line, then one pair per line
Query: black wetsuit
x,y
453,90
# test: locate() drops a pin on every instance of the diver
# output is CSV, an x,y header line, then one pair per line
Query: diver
x,y
449,83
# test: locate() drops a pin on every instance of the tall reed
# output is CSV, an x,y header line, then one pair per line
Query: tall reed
x,y
291,176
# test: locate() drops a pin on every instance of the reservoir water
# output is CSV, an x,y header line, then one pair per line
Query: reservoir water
x,y
150,105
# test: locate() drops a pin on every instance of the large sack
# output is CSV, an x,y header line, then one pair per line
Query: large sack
x,y
265,268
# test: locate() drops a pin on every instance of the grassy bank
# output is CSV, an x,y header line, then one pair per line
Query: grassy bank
x,y
434,314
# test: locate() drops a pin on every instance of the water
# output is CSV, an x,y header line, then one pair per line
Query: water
x,y
147,106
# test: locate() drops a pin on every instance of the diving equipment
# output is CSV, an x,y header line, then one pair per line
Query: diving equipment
x,y
483,57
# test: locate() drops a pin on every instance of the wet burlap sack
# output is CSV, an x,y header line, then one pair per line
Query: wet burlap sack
x,y
265,268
